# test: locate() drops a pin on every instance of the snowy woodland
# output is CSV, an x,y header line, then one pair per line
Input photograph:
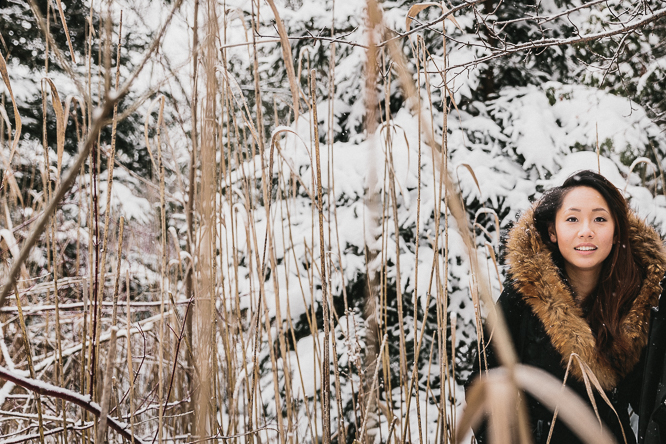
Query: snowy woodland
x,y
282,220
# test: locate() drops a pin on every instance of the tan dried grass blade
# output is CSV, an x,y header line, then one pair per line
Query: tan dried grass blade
x,y
475,398
589,375
5,117
288,59
68,104
374,383
469,168
633,165
176,246
238,14
494,259
285,129
239,99
9,173
145,130
495,394
557,409
7,237
415,9
17,116
301,56
404,136
389,162
596,126
573,411
489,211
64,27
492,392
502,403
274,136
482,228
588,388
60,122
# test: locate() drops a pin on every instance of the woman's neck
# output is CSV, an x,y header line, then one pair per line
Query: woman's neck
x,y
583,282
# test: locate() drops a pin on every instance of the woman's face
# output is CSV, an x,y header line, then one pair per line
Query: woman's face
x,y
584,230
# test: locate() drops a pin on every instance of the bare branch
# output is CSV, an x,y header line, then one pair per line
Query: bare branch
x,y
46,389
545,43
439,19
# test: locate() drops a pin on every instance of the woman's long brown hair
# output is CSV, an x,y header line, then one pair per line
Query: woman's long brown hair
x,y
621,277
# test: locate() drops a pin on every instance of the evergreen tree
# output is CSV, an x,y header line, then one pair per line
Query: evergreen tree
x,y
30,60
514,128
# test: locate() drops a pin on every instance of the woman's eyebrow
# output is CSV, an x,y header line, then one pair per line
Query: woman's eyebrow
x,y
594,209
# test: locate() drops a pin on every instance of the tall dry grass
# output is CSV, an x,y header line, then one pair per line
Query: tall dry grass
x,y
182,363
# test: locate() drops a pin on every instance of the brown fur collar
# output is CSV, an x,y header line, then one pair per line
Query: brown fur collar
x,y
536,278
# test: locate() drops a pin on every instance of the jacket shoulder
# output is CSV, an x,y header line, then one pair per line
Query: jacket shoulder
x,y
511,301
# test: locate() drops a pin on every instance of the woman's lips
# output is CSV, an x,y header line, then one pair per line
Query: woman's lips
x,y
586,249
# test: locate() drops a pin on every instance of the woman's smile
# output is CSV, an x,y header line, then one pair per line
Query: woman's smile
x,y
586,248
584,230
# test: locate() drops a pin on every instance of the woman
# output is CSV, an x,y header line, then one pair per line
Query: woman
x,y
584,272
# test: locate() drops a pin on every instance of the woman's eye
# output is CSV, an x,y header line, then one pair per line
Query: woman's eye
x,y
600,219
572,219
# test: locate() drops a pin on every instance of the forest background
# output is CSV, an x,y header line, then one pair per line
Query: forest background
x,y
277,221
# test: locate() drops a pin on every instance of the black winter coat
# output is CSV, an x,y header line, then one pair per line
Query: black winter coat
x,y
652,412
547,326
533,347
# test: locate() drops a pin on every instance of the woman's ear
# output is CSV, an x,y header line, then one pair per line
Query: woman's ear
x,y
552,234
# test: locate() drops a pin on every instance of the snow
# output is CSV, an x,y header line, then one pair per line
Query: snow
x,y
586,160
7,388
503,153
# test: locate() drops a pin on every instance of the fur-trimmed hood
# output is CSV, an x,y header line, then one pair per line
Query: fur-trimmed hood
x,y
535,276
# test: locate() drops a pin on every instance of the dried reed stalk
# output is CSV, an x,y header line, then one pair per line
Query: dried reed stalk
x,y
371,307
106,393
331,191
119,253
99,295
325,365
31,367
372,388
64,25
130,364
51,236
444,292
415,299
163,271
206,293
191,190
56,297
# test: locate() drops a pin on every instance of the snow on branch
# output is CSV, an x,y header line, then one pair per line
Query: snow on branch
x,y
83,401
544,43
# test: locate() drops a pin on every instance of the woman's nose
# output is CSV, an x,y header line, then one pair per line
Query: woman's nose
x,y
585,230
